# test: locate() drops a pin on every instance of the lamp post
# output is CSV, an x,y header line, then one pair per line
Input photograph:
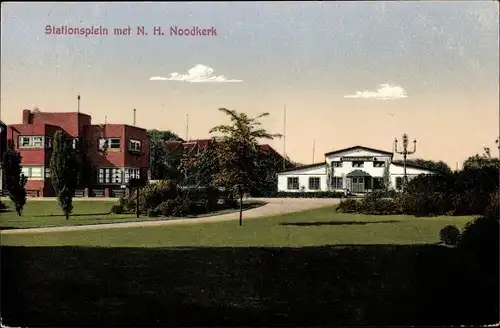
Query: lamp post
x,y
405,152
498,145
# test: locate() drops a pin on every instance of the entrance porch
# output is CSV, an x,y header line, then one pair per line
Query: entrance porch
x,y
360,182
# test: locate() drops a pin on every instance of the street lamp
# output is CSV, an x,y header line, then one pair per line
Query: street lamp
x,y
405,152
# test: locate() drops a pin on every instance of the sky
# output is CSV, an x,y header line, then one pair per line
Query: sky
x,y
348,73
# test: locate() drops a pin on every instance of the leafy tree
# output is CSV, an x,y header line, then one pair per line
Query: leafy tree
x,y
386,178
63,172
198,166
15,181
238,152
164,163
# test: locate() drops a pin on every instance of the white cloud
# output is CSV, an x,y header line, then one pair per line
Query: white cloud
x,y
384,92
198,74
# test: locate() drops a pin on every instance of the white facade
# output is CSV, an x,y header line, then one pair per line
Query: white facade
x,y
359,169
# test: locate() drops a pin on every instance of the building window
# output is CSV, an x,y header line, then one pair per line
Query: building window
x,y
358,164
109,143
47,173
48,142
337,183
110,176
135,145
74,142
336,164
32,172
314,183
379,164
31,142
293,183
399,183
132,174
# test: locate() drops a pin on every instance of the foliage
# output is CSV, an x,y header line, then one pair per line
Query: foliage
x,y
166,208
449,235
3,207
153,194
63,172
305,194
197,167
153,213
480,238
15,181
386,178
117,209
237,153
374,205
164,163
349,205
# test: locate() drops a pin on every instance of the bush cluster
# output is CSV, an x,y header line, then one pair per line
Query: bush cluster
x,y
3,207
449,235
304,194
165,198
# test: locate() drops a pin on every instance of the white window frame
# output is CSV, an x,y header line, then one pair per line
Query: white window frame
x,y
47,172
315,179
109,144
337,183
358,164
379,164
336,164
31,142
135,145
288,183
131,173
110,175
28,170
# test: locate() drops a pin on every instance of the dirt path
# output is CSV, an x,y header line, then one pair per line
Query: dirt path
x,y
273,207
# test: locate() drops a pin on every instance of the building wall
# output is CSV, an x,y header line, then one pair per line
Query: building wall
x,y
396,171
77,125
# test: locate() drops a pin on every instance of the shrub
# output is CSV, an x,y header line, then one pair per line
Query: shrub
x,y
153,213
154,194
166,207
3,207
128,204
450,235
349,205
182,207
117,209
493,209
304,194
424,203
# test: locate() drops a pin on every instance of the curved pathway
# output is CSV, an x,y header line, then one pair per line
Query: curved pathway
x,y
274,206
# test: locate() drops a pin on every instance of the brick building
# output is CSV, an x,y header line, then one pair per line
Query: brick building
x,y
109,154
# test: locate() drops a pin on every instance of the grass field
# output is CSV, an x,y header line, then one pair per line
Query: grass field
x,y
312,228
39,214
344,270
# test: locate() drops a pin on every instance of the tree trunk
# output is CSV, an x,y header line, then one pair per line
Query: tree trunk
x,y
67,216
241,206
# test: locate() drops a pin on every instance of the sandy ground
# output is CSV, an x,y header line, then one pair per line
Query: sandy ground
x,y
274,206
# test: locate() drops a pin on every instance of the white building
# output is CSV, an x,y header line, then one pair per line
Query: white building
x,y
359,169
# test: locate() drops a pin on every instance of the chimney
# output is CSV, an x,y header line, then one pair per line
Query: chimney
x,y
134,117
27,119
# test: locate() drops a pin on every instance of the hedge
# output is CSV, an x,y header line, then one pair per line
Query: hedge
x,y
303,194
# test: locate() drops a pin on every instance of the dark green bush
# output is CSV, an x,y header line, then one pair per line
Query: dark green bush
x,y
182,207
3,207
304,194
349,205
374,205
481,236
128,204
166,208
450,235
153,213
117,209
153,194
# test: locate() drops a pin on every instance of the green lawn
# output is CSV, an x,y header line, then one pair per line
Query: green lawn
x,y
134,277
317,227
38,213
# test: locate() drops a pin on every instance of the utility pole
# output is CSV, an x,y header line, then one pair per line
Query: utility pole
x,y
405,152
284,138
187,127
314,148
78,99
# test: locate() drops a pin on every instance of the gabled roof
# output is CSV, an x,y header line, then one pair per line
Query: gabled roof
x,y
413,166
358,147
309,166
357,173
